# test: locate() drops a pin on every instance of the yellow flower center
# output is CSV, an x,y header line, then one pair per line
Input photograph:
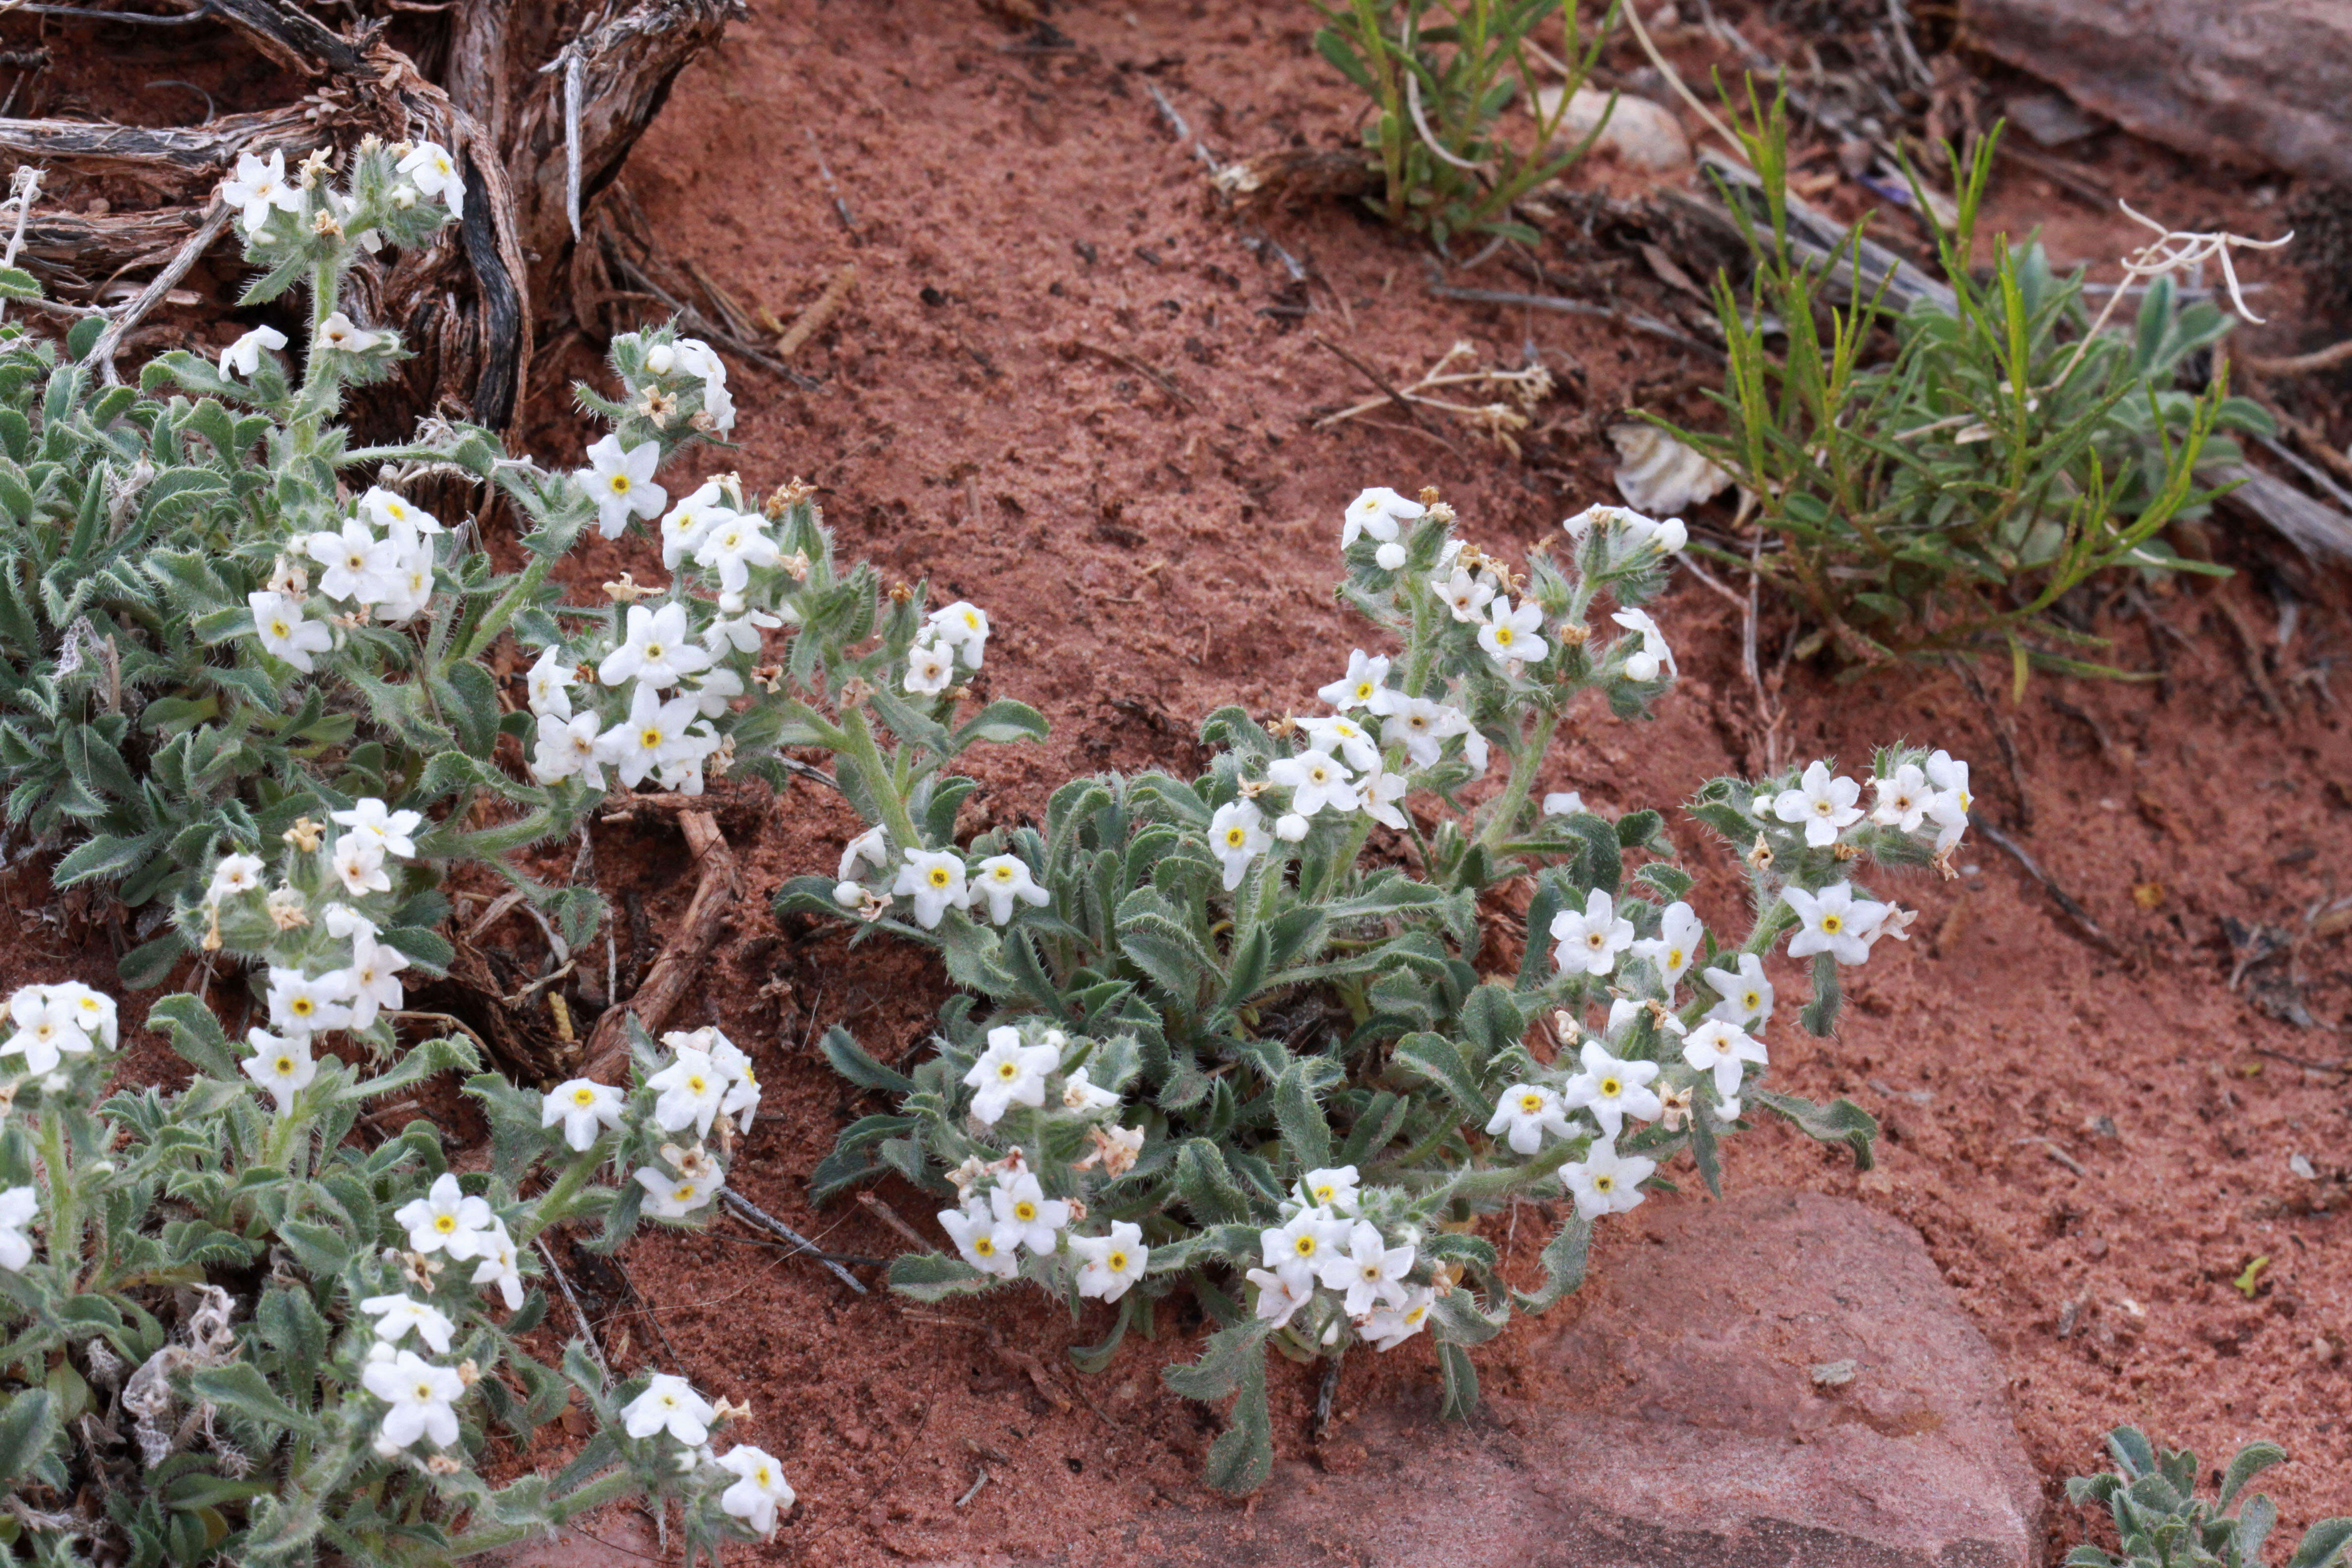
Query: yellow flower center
x,y
285,1066
1530,1103
583,1098
424,1392
1832,925
1750,1000
1674,958
656,650
984,1246
698,1083
1115,1262
301,1006
649,738
1235,837
619,483
1363,691
279,628
683,1195
1303,1246
1611,1089
1002,873
1503,636
1025,1211
939,876
1604,1183
1008,1071
445,1223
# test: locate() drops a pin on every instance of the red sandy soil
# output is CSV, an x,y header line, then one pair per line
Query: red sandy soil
x,y
2066,1122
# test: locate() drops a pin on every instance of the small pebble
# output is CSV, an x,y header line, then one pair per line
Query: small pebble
x,y
1834,1373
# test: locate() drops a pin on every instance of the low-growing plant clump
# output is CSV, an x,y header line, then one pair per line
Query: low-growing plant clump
x,y
2162,1522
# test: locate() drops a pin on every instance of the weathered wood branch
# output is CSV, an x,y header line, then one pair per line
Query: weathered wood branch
x,y
681,958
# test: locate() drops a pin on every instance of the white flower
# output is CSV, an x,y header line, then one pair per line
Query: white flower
x,y
1390,557
1036,1219
277,621
930,668
1110,1264
1606,1182
358,863
1720,1048
234,874
93,1011
1452,722
759,1493
281,1064
445,1220
987,1242
733,545
1369,1270
1237,836
396,514
305,1004
1950,775
1364,681
696,358
685,526
1333,1188
621,484
668,1404
420,1395
1380,792
1465,593
584,1106
1002,879
1897,923
963,626
1337,732
1527,1111
656,651
674,1197
1836,922
691,1089
1389,1328
45,1028
1675,945
435,173
341,334
1747,995
742,633
1508,635
1377,511
1281,1293
392,831
1290,828
19,1208
1080,1094
569,746
1823,803
868,848
395,1315
550,684
1611,1089
654,735
243,357
1316,780
1417,724
1305,1244
260,190
1008,1073
1902,797
1563,802
714,692
934,878
1590,942
1653,657
500,1266
358,565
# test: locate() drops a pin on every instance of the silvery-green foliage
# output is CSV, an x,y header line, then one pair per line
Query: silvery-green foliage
x,y
217,614
257,1328
1214,1039
2162,1522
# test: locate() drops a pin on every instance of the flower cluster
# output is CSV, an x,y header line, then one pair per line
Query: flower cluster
x,y
388,574
668,1406
953,636
934,882
1325,1240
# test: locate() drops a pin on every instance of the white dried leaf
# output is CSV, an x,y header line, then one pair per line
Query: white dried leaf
x,y
1660,476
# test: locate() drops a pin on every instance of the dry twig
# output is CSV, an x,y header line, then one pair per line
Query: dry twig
x,y
674,970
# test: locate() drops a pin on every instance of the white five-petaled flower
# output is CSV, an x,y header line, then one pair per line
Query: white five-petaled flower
x,y
675,1198
233,875
420,1395
1746,995
1369,1270
1416,723
243,357
18,1207
281,1064
1337,732
1392,1326
1590,942
344,335
1002,879
358,565
656,650
669,1405
691,1090
1606,1182
431,169
1036,1219
1281,1293
1380,793
655,736
1836,922
963,626
358,863
306,1005
550,685
500,1265
279,622
759,1493
1654,658
1008,1073
1526,1111
392,831
1722,1048
685,526
584,1106
622,485
698,358
1108,1265
1081,1094
258,189
1825,804
733,545
1237,836
1367,677
396,514
1672,950
1952,803
1509,636
1902,797
1332,1188
446,1219
930,668
569,746
395,1315
1611,1089
934,878
94,1010
986,1242
1377,511
1317,780
46,1029
1303,1246
1464,594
